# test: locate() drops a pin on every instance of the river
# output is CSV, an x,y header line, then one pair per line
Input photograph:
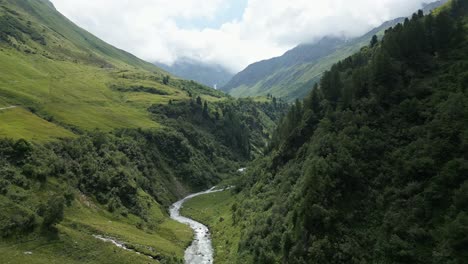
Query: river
x,y
201,250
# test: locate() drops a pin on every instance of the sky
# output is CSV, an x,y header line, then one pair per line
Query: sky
x,y
230,33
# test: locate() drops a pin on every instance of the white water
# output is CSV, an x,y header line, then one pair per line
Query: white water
x,y
8,107
201,250
119,244
113,241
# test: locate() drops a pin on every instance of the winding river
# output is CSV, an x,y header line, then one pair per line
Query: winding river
x,y
201,250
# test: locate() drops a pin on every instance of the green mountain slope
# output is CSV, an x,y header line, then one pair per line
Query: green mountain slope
x,y
293,74
96,143
68,76
372,166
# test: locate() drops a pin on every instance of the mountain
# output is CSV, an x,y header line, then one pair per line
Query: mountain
x,y
96,144
371,167
61,72
271,76
208,74
293,74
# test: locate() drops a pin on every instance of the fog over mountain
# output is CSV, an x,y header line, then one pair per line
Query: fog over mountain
x,y
212,75
231,33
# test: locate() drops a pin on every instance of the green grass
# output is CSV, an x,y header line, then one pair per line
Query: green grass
x,y
167,236
70,246
19,123
214,210
73,94
74,241
3,103
70,77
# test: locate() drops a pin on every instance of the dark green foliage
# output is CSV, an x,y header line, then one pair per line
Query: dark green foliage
x,y
166,79
15,220
372,167
108,168
53,211
138,88
194,89
12,27
193,151
374,41
239,127
205,110
331,85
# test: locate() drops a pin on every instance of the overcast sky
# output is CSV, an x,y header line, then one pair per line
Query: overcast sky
x,y
232,33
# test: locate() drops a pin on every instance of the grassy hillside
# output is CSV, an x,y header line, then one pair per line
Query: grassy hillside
x,y
293,75
19,123
89,144
66,75
26,203
119,184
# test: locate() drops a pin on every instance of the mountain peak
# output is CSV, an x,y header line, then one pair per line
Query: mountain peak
x,y
293,74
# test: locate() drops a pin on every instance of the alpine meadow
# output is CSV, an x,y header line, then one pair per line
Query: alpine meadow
x,y
352,147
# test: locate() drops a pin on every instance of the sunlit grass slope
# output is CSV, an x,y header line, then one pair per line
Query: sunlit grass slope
x,y
19,123
59,70
63,80
74,240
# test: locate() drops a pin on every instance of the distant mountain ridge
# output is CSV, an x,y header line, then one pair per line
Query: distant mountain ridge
x,y
301,54
293,74
208,74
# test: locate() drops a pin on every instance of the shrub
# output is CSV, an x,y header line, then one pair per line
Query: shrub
x,y
53,213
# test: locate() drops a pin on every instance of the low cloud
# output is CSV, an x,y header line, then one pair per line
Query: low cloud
x,y
149,28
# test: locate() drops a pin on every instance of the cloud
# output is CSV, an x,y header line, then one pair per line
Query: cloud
x,y
266,28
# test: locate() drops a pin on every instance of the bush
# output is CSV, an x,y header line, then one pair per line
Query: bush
x,y
4,186
14,220
53,213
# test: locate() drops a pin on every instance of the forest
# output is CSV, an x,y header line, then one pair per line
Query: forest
x,y
371,167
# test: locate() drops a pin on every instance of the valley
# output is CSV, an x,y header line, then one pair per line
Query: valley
x,y
101,143
351,151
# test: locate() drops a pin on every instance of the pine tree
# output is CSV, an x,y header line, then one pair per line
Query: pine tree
x,y
444,29
312,102
205,110
374,41
53,213
166,79
331,85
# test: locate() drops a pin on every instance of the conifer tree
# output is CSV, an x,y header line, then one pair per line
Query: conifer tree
x,y
374,41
